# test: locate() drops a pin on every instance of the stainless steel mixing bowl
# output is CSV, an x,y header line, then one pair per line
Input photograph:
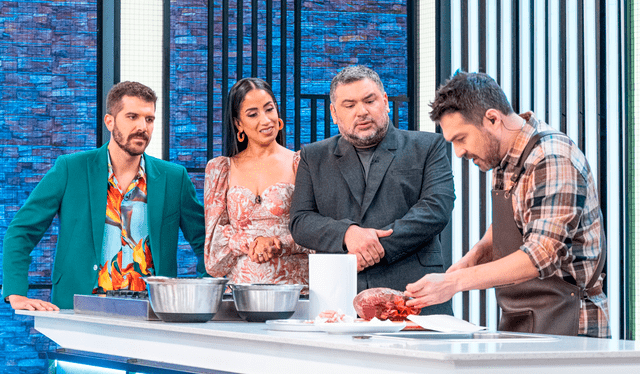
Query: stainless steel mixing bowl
x,y
261,302
185,299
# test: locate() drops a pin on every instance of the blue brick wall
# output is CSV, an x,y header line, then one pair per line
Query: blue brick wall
x,y
189,83
47,108
188,98
22,348
48,67
370,33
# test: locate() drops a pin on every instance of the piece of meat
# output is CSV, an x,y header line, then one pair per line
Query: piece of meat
x,y
333,316
383,303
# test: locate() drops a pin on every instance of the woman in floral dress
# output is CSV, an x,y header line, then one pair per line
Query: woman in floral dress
x,y
247,194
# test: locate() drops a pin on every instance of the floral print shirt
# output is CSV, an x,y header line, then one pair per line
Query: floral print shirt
x,y
234,217
126,256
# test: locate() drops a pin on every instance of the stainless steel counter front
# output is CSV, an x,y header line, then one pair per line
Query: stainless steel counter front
x,y
253,348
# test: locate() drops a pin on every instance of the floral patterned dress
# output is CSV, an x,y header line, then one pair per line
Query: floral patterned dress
x,y
234,217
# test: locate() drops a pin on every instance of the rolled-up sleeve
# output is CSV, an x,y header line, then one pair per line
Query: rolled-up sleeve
x,y
553,196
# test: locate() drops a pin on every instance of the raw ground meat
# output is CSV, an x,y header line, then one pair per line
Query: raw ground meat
x,y
383,303
333,316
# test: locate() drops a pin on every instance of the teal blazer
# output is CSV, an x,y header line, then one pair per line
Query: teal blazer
x,y
75,189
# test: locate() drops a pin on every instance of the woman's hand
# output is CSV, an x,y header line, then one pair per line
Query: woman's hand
x,y
263,249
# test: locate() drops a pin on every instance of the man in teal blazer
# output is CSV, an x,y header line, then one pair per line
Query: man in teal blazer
x,y
75,189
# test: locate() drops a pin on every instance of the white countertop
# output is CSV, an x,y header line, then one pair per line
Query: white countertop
x,y
252,347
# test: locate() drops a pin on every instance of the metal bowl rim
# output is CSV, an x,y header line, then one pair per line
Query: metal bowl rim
x,y
174,281
265,287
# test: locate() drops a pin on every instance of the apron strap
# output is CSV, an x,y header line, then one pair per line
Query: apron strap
x,y
519,169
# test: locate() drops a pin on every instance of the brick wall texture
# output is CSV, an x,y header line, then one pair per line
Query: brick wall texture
x,y
48,79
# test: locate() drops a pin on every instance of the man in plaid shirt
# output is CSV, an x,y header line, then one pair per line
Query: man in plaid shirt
x,y
554,200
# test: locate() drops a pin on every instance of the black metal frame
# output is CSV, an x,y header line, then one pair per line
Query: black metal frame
x,y
413,76
466,245
108,61
625,41
210,69
443,71
482,40
563,66
298,96
581,79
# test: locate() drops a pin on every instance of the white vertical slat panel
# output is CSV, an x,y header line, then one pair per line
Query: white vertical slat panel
x,y
539,60
426,62
456,217
474,172
546,20
614,200
590,89
492,69
506,52
141,55
554,64
572,88
525,57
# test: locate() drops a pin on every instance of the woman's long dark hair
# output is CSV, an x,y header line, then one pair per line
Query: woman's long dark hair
x,y
237,93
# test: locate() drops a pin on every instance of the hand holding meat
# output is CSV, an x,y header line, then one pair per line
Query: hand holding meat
x,y
264,249
383,303
365,244
431,289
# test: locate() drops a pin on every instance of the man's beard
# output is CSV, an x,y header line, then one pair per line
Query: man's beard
x,y
128,147
369,140
493,153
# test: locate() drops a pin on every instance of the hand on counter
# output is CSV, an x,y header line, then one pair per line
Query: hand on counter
x,y
21,302
365,244
264,249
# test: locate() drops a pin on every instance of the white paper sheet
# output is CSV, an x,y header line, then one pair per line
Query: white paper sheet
x,y
333,283
444,323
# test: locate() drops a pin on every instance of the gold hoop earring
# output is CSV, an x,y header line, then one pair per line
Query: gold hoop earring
x,y
240,136
281,124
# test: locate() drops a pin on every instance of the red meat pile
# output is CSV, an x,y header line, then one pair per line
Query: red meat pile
x,y
383,303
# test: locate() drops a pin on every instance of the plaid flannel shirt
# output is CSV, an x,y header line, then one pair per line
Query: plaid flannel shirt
x,y
556,206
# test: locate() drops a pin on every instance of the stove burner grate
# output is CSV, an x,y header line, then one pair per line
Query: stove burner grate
x,y
128,294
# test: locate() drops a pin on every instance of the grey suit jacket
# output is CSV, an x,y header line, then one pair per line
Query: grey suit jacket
x,y
409,189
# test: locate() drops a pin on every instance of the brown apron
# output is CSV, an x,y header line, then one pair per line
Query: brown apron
x,y
545,306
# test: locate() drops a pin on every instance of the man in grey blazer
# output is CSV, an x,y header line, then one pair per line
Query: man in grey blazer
x,y
380,193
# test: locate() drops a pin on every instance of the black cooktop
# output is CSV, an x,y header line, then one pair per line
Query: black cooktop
x,y
128,294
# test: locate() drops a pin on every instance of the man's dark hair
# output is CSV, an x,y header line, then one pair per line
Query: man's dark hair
x,y
353,74
471,95
132,89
